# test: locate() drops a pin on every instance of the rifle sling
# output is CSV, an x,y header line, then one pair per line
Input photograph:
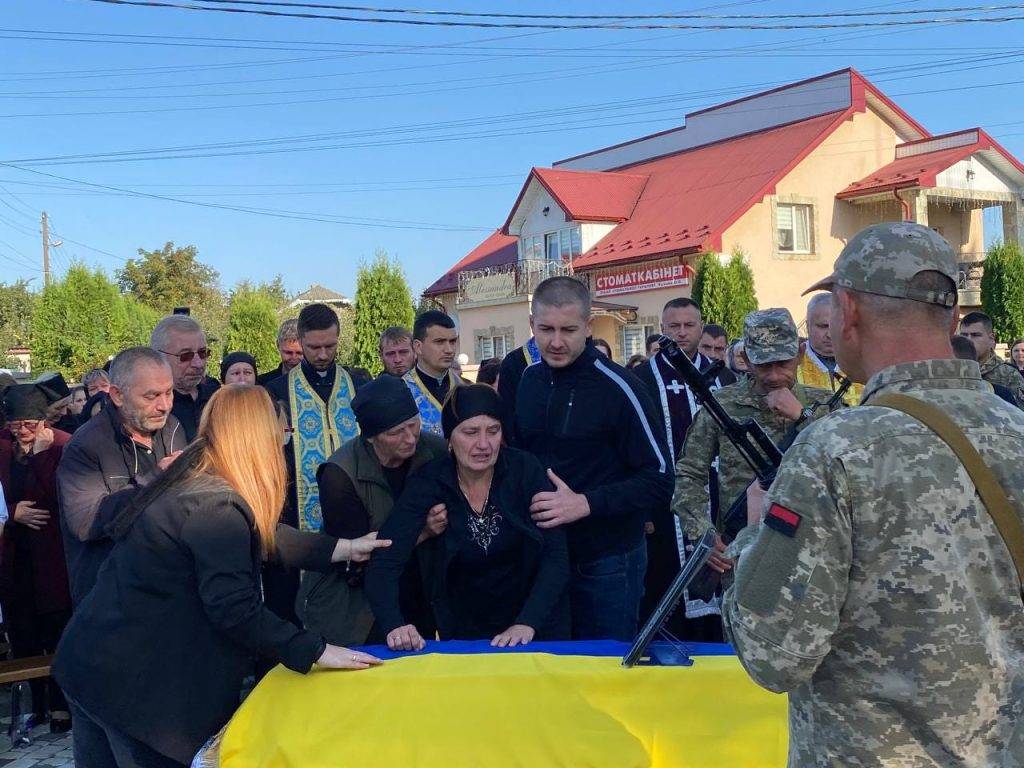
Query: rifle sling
x,y
1006,519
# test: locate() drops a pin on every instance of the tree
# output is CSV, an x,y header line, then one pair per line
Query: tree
x,y
711,290
1002,290
82,320
383,299
174,277
742,299
16,306
252,324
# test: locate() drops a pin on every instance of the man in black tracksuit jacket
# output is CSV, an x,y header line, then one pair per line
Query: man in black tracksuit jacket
x,y
595,427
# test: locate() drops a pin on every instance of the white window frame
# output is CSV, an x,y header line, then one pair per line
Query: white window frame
x,y
569,242
800,217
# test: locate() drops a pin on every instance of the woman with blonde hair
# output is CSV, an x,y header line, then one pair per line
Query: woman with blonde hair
x,y
154,657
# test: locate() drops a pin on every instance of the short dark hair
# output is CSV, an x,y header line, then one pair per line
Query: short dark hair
x,y
428,320
488,371
963,348
561,291
651,339
715,331
317,317
394,334
681,303
972,318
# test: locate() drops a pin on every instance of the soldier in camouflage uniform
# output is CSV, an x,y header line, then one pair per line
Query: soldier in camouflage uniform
x,y
977,326
771,396
876,589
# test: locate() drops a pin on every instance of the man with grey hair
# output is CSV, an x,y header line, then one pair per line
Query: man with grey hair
x,y
288,347
183,343
121,449
593,425
879,583
818,367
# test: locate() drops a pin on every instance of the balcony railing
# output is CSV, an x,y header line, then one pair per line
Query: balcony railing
x,y
507,281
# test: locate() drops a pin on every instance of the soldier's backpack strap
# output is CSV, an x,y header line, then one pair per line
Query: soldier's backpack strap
x,y
1008,523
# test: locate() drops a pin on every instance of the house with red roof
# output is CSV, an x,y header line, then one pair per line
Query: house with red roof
x,y
786,176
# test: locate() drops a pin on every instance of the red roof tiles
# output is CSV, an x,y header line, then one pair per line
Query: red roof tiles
x,y
497,249
692,197
587,195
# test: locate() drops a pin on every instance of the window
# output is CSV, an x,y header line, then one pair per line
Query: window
x,y
493,346
634,338
561,245
793,223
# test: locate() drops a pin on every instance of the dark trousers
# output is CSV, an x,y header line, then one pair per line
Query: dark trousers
x,y
35,634
605,595
99,746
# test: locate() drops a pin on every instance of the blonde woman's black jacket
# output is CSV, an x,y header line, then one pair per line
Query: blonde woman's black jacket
x,y
160,645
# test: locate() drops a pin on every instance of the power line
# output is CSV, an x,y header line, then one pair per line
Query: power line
x,y
609,17
314,142
717,26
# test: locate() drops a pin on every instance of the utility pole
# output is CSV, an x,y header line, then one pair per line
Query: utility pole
x,y
46,249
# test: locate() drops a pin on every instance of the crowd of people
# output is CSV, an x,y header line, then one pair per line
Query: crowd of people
x,y
177,533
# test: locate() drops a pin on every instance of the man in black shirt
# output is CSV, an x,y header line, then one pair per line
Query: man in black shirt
x,y
359,484
183,343
288,347
594,426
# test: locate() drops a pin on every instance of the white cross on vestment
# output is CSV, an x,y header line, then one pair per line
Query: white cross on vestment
x,y
676,387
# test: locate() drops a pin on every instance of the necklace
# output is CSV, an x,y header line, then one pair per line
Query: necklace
x,y
485,523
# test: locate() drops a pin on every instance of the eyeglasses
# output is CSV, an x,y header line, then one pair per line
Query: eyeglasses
x,y
188,355
17,426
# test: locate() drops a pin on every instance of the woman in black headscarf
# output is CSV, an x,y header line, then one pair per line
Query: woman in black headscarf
x,y
492,574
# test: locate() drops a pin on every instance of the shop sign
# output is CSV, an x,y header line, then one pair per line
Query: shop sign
x,y
642,277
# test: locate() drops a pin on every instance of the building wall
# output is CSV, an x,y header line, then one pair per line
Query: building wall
x,y
513,314
859,146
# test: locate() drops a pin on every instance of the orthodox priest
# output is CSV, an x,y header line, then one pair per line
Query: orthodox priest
x,y
681,321
819,367
435,341
316,397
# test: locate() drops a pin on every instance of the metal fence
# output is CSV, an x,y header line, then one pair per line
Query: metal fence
x,y
506,281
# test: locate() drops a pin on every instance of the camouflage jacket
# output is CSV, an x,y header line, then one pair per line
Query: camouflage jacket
x,y
997,371
705,441
877,590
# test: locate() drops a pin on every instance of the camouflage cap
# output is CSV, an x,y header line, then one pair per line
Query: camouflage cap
x,y
769,335
883,258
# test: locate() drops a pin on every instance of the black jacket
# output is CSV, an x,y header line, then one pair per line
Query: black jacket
x,y
517,477
594,424
275,373
509,375
99,473
160,646
187,409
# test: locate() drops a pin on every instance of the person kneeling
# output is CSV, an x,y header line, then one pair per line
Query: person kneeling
x,y
492,574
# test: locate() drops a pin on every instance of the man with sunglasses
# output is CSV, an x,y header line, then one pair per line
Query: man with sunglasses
x,y
183,343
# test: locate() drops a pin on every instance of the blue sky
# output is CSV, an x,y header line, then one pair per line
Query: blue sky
x,y
431,130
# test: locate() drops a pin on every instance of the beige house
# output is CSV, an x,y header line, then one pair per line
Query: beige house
x,y
786,176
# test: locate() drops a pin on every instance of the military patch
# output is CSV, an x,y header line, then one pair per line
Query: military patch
x,y
783,520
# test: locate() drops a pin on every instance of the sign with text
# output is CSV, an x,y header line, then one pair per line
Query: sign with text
x,y
642,277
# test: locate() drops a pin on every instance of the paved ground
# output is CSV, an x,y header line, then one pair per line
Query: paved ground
x,y
46,751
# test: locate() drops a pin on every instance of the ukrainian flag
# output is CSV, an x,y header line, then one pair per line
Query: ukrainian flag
x,y
466,705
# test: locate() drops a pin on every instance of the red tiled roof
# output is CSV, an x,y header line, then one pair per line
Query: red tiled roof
x,y
497,249
692,197
587,195
921,170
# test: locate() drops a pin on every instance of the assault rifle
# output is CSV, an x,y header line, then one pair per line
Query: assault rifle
x,y
735,518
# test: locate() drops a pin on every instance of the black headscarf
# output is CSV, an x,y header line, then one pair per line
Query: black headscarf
x,y
464,403
382,404
231,359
